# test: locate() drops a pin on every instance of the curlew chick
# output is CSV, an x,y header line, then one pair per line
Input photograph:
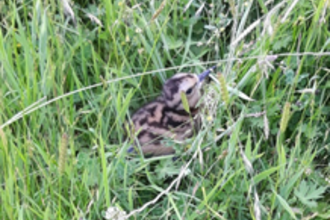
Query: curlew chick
x,y
165,117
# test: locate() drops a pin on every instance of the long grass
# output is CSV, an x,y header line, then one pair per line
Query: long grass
x,y
73,72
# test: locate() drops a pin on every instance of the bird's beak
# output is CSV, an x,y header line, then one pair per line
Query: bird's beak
x,y
204,74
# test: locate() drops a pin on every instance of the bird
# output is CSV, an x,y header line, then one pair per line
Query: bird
x,y
167,117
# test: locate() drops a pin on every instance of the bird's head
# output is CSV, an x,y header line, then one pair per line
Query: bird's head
x,y
187,83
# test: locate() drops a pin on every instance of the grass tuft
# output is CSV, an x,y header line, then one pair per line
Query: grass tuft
x,y
285,117
62,154
223,88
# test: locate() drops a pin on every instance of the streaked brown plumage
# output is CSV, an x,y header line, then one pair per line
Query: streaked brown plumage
x,y
165,117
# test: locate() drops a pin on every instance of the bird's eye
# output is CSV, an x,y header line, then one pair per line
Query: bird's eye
x,y
188,92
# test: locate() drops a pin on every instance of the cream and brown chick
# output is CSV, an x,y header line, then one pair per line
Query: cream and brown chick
x,y
166,117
